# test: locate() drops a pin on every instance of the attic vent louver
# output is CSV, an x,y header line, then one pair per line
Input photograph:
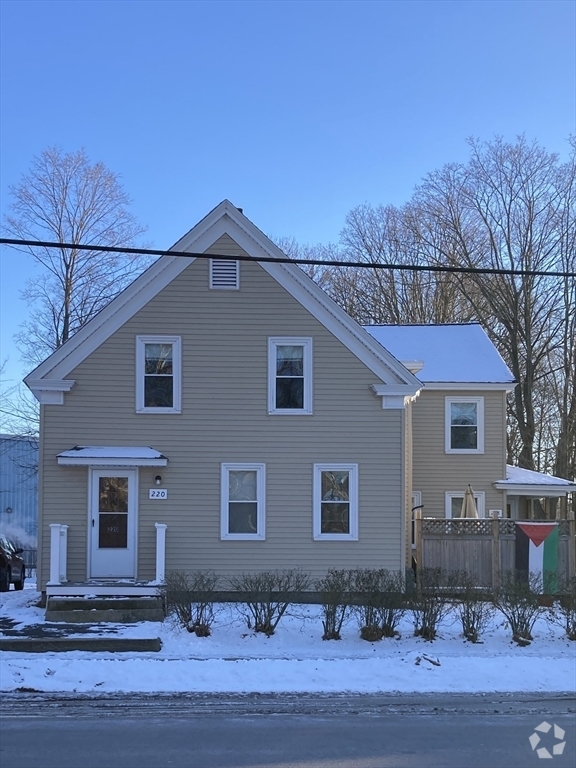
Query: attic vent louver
x,y
224,273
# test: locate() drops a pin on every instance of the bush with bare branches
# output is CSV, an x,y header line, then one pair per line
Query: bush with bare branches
x,y
474,605
189,597
563,612
267,595
381,602
519,600
430,602
334,590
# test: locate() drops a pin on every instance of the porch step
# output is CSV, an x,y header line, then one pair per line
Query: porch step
x,y
94,644
120,610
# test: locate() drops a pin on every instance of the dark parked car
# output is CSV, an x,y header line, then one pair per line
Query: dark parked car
x,y
12,567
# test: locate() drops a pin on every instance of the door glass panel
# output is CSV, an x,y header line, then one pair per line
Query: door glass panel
x,y
113,513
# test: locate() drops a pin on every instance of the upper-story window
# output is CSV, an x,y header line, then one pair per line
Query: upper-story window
x,y
158,374
464,425
224,274
289,375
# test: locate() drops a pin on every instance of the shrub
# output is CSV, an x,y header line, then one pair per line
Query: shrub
x,y
473,604
564,610
429,602
268,595
189,597
381,602
518,599
334,591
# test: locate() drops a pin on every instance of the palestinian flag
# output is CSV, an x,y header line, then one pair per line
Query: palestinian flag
x,y
537,553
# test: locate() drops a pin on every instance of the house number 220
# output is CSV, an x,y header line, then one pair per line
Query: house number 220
x,y
158,493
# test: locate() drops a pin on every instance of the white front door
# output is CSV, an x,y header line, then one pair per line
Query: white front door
x,y
112,523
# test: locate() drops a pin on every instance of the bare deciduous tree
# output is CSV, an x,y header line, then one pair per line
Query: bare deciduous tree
x,y
65,198
511,207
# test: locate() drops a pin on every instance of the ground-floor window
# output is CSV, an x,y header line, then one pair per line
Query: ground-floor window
x,y
336,502
243,492
455,499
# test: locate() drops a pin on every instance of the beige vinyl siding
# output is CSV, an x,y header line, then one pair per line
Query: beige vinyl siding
x,y
436,472
224,419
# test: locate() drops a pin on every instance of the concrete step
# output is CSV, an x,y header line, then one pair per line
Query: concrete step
x,y
60,644
122,610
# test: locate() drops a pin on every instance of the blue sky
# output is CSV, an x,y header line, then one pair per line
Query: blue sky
x,y
295,111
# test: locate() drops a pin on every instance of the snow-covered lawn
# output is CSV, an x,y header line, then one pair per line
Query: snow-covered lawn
x,y
295,659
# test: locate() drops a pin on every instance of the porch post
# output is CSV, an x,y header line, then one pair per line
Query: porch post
x,y
419,547
63,556
495,553
160,552
55,553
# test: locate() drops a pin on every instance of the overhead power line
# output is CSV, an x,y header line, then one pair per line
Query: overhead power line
x,y
288,260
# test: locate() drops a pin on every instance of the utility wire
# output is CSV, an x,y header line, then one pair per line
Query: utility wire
x,y
288,260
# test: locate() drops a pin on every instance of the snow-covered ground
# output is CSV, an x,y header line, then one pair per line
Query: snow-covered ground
x,y
294,659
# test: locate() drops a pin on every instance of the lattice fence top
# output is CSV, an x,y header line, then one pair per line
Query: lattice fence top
x,y
481,527
441,527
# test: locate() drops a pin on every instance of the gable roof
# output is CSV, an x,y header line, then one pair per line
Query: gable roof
x,y
225,218
460,353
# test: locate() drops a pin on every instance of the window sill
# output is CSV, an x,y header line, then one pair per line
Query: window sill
x,y
158,410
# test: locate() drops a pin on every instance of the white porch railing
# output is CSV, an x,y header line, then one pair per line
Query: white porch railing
x,y
58,553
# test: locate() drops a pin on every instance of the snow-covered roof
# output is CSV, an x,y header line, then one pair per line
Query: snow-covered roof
x,y
112,455
450,353
527,481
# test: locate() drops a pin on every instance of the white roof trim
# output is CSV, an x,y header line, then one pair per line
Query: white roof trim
x,y
504,386
112,456
224,219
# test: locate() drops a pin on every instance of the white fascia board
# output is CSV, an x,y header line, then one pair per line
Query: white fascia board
x,y
115,461
506,386
525,489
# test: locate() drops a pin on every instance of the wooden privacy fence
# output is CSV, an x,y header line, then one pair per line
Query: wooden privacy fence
x,y
484,548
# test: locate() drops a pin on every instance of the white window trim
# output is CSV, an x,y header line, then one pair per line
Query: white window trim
x,y
260,470
448,424
176,342
353,489
479,498
306,343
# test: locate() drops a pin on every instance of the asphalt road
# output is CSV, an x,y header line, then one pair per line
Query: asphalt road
x,y
265,731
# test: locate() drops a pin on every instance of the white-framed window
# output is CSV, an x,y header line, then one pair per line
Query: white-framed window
x,y
158,374
464,425
243,501
289,375
336,502
224,274
455,499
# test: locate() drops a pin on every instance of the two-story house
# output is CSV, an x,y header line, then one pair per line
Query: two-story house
x,y
223,413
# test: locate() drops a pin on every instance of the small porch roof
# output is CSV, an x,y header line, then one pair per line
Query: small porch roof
x,y
526,482
112,456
